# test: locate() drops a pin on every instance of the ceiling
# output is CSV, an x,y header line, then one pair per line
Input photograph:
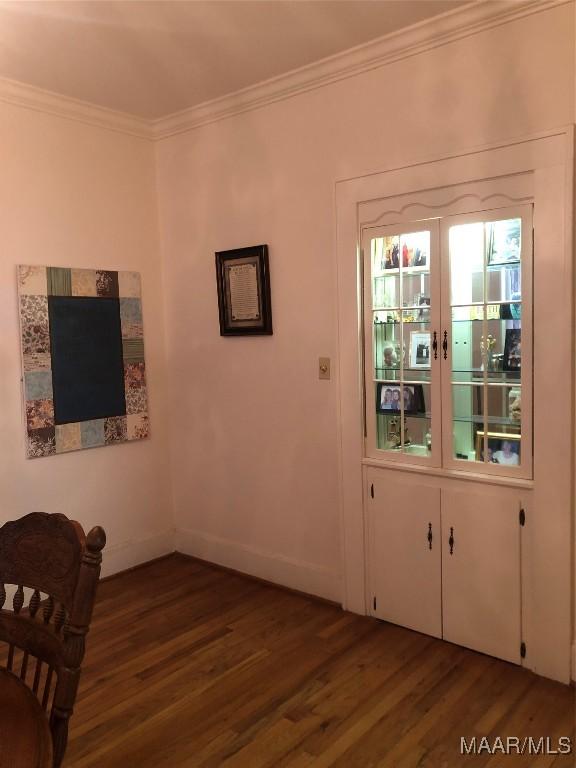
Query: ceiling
x,y
151,58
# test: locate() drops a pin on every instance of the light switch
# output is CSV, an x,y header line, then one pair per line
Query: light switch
x,y
323,367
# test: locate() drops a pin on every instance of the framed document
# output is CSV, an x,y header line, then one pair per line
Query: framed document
x,y
420,349
243,281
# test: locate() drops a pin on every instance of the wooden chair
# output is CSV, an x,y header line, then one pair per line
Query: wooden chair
x,y
48,563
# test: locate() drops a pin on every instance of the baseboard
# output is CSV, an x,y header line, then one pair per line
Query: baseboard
x,y
127,554
295,574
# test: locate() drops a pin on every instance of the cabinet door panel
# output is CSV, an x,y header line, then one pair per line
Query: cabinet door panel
x,y
402,325
405,567
481,595
486,324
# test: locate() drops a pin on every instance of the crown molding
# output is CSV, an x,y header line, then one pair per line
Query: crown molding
x,y
431,33
30,97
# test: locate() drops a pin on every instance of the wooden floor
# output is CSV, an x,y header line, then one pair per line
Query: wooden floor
x,y
190,665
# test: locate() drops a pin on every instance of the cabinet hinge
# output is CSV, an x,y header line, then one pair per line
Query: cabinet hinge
x,y
523,650
372,490
374,602
522,517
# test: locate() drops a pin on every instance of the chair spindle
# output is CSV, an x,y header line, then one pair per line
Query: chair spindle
x,y
47,686
10,662
59,618
33,610
24,667
37,676
48,609
18,601
34,603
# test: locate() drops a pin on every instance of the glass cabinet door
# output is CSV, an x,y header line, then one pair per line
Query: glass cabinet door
x,y
487,341
401,313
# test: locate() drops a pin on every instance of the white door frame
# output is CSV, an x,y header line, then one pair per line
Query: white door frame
x,y
549,569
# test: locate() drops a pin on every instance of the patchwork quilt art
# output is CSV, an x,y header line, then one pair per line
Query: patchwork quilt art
x,y
83,358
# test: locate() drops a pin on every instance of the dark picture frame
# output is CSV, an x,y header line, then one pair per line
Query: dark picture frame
x,y
243,283
512,360
413,404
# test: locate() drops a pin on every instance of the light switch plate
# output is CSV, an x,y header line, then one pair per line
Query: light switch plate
x,y
324,368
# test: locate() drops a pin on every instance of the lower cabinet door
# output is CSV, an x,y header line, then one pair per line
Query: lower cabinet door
x,y
405,553
481,594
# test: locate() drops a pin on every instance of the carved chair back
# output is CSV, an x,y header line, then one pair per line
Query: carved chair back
x,y
49,572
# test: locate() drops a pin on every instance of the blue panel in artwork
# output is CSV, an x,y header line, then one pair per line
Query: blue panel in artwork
x,y
87,364
92,433
38,385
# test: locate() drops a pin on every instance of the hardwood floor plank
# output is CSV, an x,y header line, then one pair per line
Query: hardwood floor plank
x,y
191,665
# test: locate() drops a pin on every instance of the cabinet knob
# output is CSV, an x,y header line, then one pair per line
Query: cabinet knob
x,y
451,541
430,535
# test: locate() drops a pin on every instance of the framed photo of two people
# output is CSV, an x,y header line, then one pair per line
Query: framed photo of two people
x,y
390,396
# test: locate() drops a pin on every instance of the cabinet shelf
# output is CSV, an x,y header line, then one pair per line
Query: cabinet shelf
x,y
503,265
418,321
515,263
493,377
406,416
405,272
488,319
499,421
413,308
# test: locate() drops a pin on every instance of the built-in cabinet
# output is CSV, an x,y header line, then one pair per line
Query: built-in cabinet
x,y
445,560
448,386
453,275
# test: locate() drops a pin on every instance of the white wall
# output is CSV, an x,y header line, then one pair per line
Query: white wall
x,y
79,196
254,438
254,441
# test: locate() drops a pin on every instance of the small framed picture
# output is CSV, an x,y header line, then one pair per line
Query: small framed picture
x,y
389,397
424,304
420,349
243,282
391,355
391,252
503,448
512,360
414,251
503,241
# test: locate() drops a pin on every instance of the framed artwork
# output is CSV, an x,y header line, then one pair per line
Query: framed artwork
x,y
243,282
411,251
503,241
391,255
420,349
415,251
424,307
390,395
512,360
82,342
503,448
391,355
